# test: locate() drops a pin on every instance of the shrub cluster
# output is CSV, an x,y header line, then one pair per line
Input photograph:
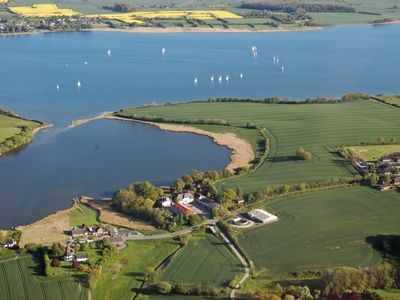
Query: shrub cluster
x,y
19,139
164,287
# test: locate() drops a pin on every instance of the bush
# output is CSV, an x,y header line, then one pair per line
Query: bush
x,y
303,154
55,262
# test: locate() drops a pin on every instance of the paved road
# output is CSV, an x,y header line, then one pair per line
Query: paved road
x,y
240,257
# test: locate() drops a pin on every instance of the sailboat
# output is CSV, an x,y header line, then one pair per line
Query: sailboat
x,y
109,52
277,60
241,75
78,84
227,78
163,51
220,78
195,80
57,87
283,68
212,78
85,62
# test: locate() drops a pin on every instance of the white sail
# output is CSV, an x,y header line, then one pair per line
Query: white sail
x,y
283,68
85,62
241,75
57,87
109,52
227,78
220,78
212,78
195,80
163,51
78,84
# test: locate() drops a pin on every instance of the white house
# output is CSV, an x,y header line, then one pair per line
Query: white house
x,y
185,198
81,257
164,202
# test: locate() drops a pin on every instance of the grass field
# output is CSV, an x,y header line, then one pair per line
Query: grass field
x,y
319,128
85,215
373,152
21,279
10,126
323,229
392,99
204,260
123,272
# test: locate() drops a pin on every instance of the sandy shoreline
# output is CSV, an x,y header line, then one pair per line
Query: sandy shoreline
x,y
158,30
242,152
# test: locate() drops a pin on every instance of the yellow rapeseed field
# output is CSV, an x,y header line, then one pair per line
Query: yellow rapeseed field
x,y
3,1
42,11
140,17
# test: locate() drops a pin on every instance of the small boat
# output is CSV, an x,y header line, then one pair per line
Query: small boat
x,y
277,60
283,68
57,87
227,78
195,80
163,51
109,52
212,78
274,59
85,62
78,84
220,78
241,75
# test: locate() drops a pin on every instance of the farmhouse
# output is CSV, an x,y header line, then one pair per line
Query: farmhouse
x,y
81,257
117,241
185,198
261,216
164,202
96,231
10,243
78,232
384,187
207,203
178,209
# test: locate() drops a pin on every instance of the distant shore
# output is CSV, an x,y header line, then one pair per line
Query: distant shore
x,y
158,30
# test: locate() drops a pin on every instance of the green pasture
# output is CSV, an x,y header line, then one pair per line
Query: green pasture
x,y
319,128
206,260
85,215
123,273
10,126
323,229
392,99
373,152
22,279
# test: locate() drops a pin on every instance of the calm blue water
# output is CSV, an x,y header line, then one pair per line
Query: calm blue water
x,y
99,157
329,62
96,159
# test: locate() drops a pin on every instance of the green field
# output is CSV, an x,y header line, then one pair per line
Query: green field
x,y
21,279
323,229
391,99
85,215
206,260
10,126
123,272
319,128
373,152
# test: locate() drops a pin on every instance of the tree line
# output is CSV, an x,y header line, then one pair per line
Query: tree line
x,y
293,7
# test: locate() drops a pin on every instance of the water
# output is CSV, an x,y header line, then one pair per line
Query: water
x,y
96,159
99,157
329,62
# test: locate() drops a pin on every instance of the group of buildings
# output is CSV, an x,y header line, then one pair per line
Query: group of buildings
x,y
389,166
188,203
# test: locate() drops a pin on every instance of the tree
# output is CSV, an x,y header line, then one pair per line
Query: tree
x,y
333,295
373,181
180,185
352,296
228,196
163,287
393,140
184,240
150,273
55,262
303,154
380,140
58,249
76,265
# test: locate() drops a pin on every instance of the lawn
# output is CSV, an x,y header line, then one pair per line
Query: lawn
x,y
323,229
10,126
123,272
373,152
206,260
85,215
319,128
22,279
391,99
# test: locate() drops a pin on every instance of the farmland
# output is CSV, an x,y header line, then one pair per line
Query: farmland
x,y
317,127
22,279
323,229
390,99
206,260
373,152
10,125
42,11
123,272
